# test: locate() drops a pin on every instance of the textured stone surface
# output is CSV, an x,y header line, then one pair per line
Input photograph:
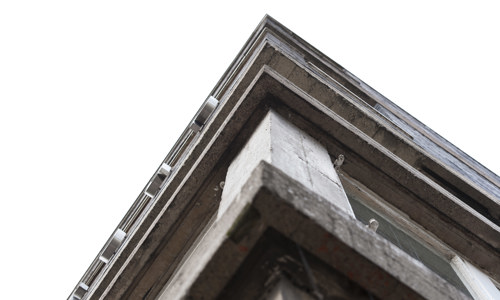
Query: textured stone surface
x,y
294,152
416,171
271,199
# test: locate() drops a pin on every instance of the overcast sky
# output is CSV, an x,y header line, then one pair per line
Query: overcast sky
x,y
94,93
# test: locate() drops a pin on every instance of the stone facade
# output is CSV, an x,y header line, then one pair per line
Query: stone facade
x,y
296,180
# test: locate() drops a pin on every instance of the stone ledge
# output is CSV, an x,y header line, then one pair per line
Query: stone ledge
x,y
276,201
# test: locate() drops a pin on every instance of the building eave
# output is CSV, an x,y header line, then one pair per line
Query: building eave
x,y
259,78
272,200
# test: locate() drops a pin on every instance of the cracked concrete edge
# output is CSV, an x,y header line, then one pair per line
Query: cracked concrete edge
x,y
319,227
367,250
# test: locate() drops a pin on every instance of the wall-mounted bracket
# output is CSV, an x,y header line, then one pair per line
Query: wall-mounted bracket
x,y
157,181
373,225
112,245
81,290
204,113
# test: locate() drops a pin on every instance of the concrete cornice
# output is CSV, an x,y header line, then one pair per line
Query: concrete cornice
x,y
272,200
277,69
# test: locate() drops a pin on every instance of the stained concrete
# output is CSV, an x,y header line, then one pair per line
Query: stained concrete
x,y
271,199
457,200
294,152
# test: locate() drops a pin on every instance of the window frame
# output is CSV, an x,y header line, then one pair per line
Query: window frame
x,y
479,285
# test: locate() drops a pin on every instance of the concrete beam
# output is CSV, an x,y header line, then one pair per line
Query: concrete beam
x,y
288,148
271,199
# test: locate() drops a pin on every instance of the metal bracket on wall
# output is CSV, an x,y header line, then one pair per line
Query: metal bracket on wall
x,y
339,162
373,225
158,179
204,113
81,290
112,245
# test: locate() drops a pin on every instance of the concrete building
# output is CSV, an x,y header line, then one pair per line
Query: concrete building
x,y
296,180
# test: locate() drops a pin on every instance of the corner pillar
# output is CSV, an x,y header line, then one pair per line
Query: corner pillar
x,y
288,148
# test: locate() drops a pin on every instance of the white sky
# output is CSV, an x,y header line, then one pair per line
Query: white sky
x,y
94,93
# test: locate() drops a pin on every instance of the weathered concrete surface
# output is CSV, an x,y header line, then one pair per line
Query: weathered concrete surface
x,y
284,290
294,152
327,95
403,186
275,257
272,199
411,194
